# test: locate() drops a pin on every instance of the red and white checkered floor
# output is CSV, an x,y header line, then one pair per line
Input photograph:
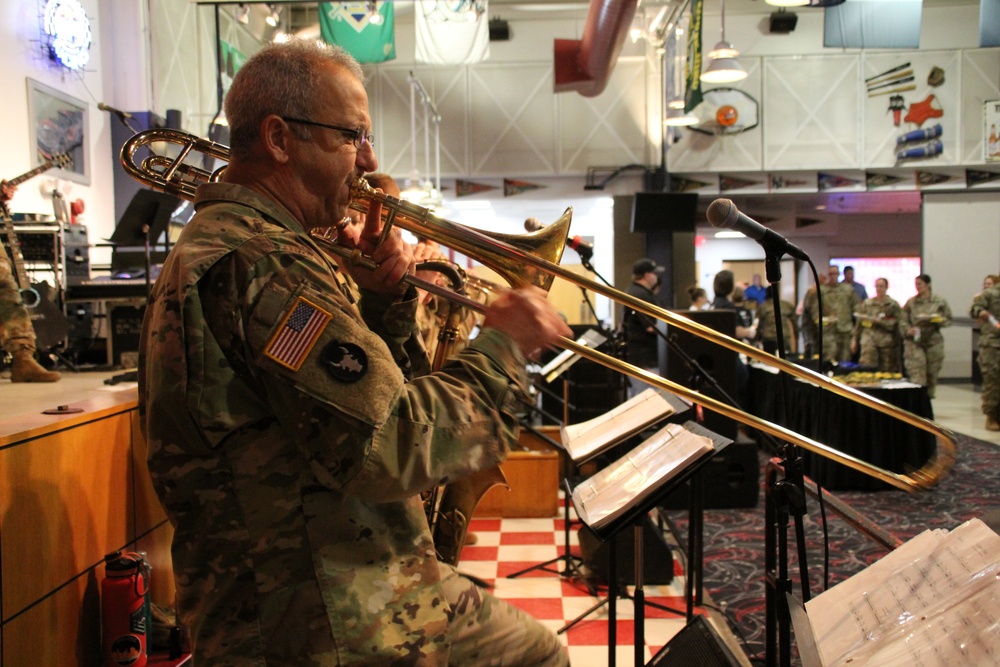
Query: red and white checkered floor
x,y
506,546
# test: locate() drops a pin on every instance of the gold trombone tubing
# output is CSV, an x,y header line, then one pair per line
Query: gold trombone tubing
x,y
533,259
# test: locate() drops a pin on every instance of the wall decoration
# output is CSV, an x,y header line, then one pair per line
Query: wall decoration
x,y
68,30
991,131
58,124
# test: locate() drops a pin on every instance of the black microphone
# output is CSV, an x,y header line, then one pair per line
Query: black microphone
x,y
723,213
584,249
118,112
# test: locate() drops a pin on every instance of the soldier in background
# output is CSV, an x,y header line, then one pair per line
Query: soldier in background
x,y
923,317
839,303
876,331
768,328
17,336
986,308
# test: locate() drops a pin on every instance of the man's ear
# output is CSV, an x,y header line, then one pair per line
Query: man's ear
x,y
276,138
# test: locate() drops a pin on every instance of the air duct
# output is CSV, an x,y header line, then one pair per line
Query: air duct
x,y
585,64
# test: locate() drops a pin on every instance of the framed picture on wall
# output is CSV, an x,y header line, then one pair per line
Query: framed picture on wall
x,y
58,124
991,131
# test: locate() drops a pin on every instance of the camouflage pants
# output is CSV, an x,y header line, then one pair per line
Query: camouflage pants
x,y
989,362
15,325
885,359
923,363
486,631
836,345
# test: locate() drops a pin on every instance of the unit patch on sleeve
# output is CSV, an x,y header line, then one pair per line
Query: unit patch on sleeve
x,y
298,333
346,362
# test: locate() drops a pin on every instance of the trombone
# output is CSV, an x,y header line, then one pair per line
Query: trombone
x,y
532,259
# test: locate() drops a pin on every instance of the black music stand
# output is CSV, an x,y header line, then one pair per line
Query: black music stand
x,y
136,240
664,462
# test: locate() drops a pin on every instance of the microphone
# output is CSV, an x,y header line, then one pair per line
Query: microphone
x,y
723,213
118,112
584,249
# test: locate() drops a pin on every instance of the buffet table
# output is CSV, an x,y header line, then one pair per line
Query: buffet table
x,y
847,426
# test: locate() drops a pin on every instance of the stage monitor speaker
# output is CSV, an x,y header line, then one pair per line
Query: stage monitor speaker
x,y
657,559
664,212
782,22
696,645
716,360
731,480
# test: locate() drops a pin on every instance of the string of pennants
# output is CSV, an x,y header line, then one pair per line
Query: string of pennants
x,y
808,182
511,187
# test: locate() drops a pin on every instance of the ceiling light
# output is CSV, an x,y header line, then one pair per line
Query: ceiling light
x,y
274,18
723,68
677,118
729,235
787,3
242,13
374,17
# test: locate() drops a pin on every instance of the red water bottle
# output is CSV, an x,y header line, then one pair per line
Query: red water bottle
x,y
124,609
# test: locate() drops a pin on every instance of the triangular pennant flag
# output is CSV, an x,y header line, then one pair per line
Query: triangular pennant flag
x,y
512,187
692,63
349,26
779,182
974,177
874,180
686,184
928,178
451,33
466,188
830,181
733,183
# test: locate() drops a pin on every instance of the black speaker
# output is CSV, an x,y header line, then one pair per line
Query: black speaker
x,y
174,119
125,185
126,326
664,211
731,479
696,645
499,30
717,361
657,559
783,22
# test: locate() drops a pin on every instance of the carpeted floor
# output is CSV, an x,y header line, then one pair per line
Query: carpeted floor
x,y
734,538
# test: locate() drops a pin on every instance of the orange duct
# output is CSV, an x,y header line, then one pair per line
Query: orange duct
x,y
585,64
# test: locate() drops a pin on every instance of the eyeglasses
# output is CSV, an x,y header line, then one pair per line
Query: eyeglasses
x,y
358,135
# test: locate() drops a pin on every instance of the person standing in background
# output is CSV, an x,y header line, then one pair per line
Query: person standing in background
x,y
768,329
699,298
986,308
876,332
641,345
924,315
858,287
839,302
977,372
755,292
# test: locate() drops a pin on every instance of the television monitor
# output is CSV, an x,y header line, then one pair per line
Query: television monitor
x,y
664,211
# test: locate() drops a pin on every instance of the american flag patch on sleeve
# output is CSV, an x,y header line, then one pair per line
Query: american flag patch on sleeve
x,y
298,333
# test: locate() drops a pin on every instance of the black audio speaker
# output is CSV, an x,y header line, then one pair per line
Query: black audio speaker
x,y
696,645
77,247
716,361
664,211
126,326
174,119
782,22
731,480
125,185
657,560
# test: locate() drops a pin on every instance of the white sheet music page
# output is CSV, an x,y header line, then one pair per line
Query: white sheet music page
x,y
605,495
588,438
920,605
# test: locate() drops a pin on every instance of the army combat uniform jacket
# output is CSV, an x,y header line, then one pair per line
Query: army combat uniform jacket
x,y
289,451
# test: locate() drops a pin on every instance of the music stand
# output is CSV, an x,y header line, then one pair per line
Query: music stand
x,y
623,493
142,225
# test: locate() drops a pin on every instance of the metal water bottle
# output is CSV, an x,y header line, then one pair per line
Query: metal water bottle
x,y
124,609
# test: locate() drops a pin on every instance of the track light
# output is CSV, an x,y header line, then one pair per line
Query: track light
x,y
242,13
724,67
787,3
374,17
274,18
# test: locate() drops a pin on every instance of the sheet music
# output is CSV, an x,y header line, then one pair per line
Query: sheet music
x,y
587,439
660,458
591,338
912,606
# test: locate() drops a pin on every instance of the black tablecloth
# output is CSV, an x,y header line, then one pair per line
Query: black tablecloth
x,y
848,427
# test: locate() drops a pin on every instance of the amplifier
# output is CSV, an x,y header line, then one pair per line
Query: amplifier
x,y
77,247
39,242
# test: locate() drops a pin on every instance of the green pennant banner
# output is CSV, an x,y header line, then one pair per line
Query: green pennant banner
x,y
512,187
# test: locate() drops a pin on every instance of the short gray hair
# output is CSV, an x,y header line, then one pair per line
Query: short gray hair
x,y
280,79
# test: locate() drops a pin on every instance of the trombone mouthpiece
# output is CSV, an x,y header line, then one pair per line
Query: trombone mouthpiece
x,y
722,213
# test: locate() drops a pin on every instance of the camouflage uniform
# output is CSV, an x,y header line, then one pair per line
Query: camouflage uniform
x,y
289,453
924,356
989,350
15,323
877,333
839,302
767,328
